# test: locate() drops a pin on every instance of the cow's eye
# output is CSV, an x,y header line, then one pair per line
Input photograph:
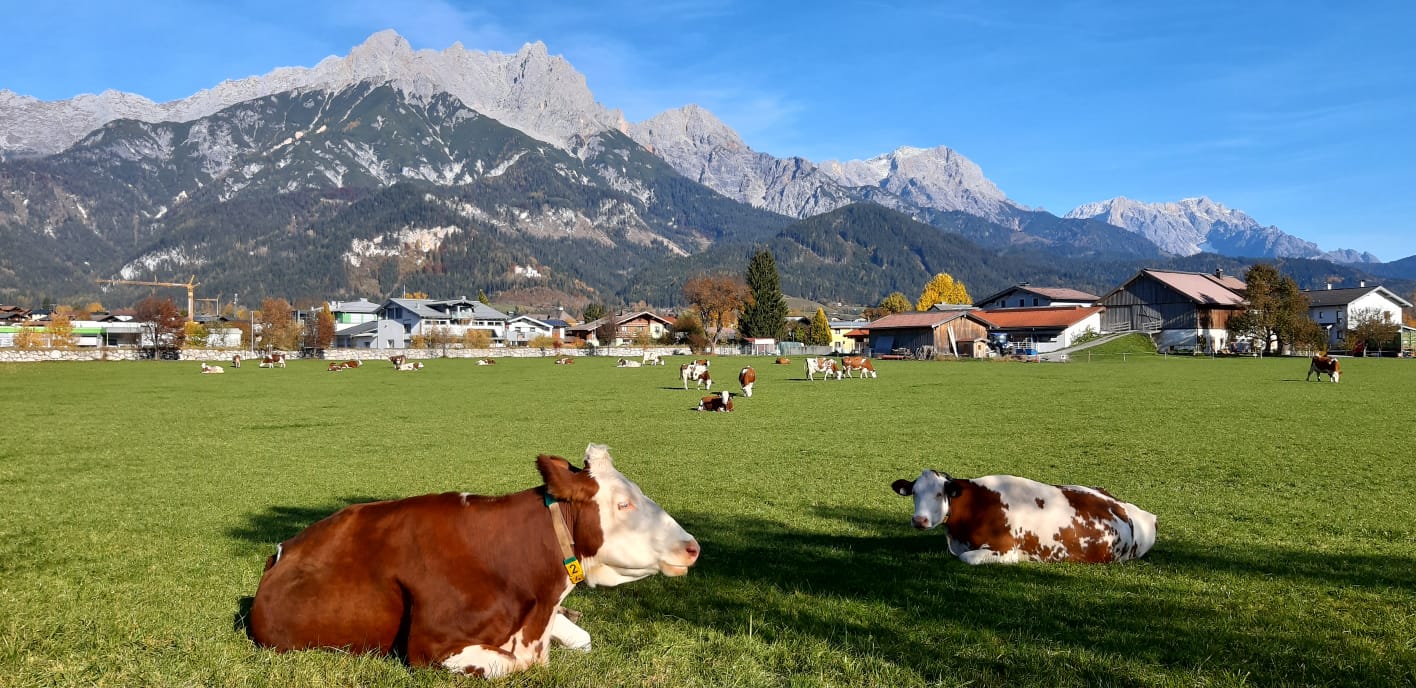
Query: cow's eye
x,y
940,495
625,506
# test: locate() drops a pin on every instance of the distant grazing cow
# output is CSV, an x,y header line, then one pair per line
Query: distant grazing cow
x,y
486,361
747,378
723,402
626,363
397,360
782,360
1324,365
1004,519
691,372
861,363
212,369
410,367
826,366
235,360
273,360
473,584
653,358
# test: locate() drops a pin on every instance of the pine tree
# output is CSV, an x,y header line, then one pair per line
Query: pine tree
x,y
765,314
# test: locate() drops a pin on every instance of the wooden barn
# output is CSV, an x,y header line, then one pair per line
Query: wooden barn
x,y
1183,310
929,332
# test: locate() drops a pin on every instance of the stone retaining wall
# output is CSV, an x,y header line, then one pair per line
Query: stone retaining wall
x,y
220,356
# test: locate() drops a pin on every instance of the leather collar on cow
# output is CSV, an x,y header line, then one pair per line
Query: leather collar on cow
x,y
571,563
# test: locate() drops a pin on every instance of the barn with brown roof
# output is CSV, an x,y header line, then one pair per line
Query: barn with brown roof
x,y
1182,310
929,332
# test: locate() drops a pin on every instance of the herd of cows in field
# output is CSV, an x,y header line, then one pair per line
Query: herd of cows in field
x,y
402,563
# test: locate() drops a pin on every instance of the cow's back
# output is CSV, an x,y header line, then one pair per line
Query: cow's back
x,y
1043,522
425,576
335,583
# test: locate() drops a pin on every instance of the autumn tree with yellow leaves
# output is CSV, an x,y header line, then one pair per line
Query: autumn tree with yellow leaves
x,y
942,289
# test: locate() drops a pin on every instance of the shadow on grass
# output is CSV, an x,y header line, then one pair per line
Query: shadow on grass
x,y
888,592
277,524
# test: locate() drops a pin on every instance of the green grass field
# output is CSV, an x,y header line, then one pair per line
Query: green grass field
x,y
140,500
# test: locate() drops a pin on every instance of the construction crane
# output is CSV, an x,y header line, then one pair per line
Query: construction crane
x,y
190,285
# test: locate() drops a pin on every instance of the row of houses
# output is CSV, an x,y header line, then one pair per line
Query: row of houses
x,y
1182,311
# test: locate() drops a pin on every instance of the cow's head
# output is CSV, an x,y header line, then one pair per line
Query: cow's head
x,y
932,491
637,538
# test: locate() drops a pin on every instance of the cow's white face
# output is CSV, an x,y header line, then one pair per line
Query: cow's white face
x,y
640,538
931,491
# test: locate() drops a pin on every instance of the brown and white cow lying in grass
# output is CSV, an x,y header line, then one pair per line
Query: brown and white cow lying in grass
x,y
723,402
473,584
1324,365
410,367
397,360
212,369
747,377
861,363
486,361
782,360
1004,519
565,360
626,363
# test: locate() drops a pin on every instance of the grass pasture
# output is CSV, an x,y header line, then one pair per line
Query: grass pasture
x,y
138,502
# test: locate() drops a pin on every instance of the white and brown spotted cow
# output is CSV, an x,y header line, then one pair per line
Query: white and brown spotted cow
x,y
235,360
826,366
696,372
1004,519
471,583
861,363
397,360
212,369
747,377
1324,365
410,367
275,359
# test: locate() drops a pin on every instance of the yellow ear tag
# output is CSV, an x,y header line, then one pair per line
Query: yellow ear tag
x,y
572,569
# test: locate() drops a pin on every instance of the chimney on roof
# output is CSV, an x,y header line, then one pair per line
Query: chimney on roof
x,y
1329,285
1219,272
1362,283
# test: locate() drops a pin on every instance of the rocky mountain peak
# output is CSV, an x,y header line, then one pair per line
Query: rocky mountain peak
x,y
530,90
1194,225
938,178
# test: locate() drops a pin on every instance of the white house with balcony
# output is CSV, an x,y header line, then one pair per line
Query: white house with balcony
x,y
455,317
1335,309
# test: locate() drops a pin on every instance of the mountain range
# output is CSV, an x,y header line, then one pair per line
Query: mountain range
x,y
448,171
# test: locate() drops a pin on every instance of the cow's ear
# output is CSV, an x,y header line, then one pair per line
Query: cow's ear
x,y
903,487
953,489
600,455
564,481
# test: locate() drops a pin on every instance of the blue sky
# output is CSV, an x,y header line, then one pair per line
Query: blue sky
x,y
1299,113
